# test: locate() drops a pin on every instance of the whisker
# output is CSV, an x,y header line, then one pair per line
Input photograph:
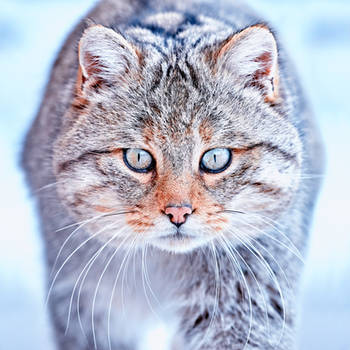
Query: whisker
x,y
52,184
126,265
99,252
99,282
275,279
122,212
217,286
274,225
258,285
280,291
273,276
81,224
68,258
249,269
311,176
86,268
231,254
147,279
94,218
231,211
112,296
278,241
143,273
82,283
295,253
134,265
217,282
274,259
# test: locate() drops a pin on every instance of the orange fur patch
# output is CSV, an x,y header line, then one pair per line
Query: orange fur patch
x,y
103,209
176,191
139,221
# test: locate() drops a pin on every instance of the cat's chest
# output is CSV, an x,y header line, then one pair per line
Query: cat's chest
x,y
142,306
143,286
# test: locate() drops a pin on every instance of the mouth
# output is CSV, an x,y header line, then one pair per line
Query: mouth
x,y
177,236
179,241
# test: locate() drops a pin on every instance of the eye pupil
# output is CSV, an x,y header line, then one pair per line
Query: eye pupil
x,y
216,160
138,160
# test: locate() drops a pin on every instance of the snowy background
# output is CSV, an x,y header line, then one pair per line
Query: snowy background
x,y
317,35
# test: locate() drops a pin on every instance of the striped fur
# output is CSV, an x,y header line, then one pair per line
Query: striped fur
x,y
175,79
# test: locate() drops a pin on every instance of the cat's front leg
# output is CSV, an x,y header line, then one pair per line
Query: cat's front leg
x,y
238,316
232,330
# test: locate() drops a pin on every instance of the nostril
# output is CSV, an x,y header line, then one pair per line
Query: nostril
x,y
178,214
171,216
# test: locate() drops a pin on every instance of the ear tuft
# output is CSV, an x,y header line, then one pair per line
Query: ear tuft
x,y
105,55
251,56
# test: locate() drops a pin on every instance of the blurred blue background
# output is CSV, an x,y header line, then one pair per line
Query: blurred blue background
x,y
317,36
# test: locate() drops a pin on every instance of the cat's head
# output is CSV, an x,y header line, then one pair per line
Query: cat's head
x,y
180,147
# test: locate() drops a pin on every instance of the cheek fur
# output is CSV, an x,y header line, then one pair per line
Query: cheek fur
x,y
208,210
89,200
140,221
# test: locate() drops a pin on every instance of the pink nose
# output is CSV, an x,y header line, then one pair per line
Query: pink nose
x,y
178,214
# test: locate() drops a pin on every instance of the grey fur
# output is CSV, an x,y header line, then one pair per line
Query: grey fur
x,y
169,88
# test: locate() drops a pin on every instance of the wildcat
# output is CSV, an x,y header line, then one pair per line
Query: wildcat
x,y
171,161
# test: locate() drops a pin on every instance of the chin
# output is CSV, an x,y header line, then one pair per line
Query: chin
x,y
179,243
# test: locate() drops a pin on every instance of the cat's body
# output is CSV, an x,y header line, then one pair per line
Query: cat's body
x,y
198,291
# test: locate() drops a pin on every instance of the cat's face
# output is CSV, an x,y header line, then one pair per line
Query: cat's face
x,y
176,152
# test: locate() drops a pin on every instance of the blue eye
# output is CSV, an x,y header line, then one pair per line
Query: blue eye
x,y
138,160
216,160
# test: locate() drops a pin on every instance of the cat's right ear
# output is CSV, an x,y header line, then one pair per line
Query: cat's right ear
x,y
105,57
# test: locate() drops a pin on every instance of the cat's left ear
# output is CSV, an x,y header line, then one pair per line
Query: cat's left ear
x,y
105,56
252,57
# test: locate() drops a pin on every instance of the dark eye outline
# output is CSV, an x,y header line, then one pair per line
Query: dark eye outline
x,y
146,170
220,170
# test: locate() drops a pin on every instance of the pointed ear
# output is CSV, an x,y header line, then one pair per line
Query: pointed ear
x,y
105,56
252,57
